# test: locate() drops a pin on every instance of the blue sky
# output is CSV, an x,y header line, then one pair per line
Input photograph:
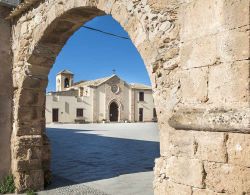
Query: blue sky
x,y
90,55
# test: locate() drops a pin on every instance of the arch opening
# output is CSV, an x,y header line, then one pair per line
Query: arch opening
x,y
41,60
114,112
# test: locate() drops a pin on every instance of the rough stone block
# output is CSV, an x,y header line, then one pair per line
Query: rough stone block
x,y
182,144
27,165
233,13
28,147
167,187
199,52
198,18
34,128
175,188
227,178
194,87
35,83
34,113
106,6
164,142
197,191
238,148
185,171
32,98
233,45
229,83
214,16
29,180
159,166
211,146
39,71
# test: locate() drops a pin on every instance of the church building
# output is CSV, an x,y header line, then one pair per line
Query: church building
x,y
108,99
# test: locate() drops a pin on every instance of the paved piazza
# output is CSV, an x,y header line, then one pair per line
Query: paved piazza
x,y
113,158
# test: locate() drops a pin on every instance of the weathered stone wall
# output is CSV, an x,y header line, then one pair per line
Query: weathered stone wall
x,y
214,90
197,56
5,92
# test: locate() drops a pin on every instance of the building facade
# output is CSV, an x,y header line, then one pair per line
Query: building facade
x,y
108,99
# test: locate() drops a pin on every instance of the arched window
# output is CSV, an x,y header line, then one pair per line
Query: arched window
x,y
66,83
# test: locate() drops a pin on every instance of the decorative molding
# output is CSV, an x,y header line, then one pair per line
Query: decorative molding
x,y
216,120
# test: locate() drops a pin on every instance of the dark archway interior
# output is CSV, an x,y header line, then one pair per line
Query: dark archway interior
x,y
66,83
114,112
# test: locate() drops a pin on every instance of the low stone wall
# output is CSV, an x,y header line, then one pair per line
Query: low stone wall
x,y
5,92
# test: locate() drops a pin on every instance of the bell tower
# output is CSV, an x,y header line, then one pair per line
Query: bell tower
x,y
64,80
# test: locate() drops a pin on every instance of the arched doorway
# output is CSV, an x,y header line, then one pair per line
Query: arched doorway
x,y
113,112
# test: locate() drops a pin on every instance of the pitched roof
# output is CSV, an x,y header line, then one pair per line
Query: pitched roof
x,y
139,86
95,83
65,72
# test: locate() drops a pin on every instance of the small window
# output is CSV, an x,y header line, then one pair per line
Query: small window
x,y
141,96
79,112
66,83
81,91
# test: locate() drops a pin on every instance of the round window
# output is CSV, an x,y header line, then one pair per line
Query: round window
x,y
115,89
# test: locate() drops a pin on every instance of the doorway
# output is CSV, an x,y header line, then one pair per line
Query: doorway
x,y
55,112
113,112
141,114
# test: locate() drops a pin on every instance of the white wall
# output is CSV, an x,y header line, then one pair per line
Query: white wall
x,y
67,106
147,105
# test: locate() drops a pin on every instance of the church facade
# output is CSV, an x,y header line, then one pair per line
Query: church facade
x,y
108,99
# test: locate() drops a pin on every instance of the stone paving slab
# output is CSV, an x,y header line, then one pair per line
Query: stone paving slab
x,y
103,159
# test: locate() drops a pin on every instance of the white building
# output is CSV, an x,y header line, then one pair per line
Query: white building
x,y
107,99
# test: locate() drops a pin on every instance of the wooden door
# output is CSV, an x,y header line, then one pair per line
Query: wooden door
x,y
113,112
141,114
55,113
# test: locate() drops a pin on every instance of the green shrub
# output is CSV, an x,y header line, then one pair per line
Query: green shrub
x,y
30,192
7,185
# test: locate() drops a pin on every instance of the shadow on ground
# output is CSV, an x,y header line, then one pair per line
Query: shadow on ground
x,y
79,156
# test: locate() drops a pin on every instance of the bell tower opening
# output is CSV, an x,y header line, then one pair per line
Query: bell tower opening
x,y
64,80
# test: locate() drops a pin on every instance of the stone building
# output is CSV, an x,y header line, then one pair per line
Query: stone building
x,y
106,99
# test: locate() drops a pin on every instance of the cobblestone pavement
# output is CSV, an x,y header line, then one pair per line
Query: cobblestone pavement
x,y
103,159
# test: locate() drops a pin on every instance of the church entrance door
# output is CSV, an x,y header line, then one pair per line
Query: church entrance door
x,y
113,112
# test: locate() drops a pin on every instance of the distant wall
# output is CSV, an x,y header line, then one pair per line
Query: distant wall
x,y
67,106
5,92
147,105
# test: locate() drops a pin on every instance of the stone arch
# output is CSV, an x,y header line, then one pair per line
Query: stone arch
x,y
120,107
114,108
39,35
200,78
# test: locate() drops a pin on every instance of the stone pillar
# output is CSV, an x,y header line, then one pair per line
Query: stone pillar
x,y
6,91
207,148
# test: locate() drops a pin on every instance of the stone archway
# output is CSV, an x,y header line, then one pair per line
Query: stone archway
x,y
113,112
199,73
52,23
